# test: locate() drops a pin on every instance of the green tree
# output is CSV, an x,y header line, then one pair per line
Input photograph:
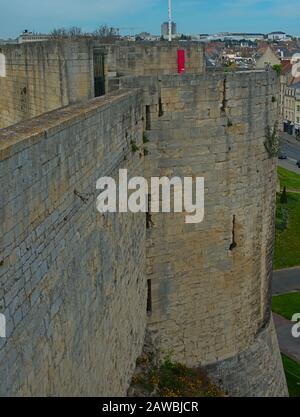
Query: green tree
x,y
283,197
277,68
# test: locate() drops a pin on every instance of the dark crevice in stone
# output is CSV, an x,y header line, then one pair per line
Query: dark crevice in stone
x,y
233,244
160,108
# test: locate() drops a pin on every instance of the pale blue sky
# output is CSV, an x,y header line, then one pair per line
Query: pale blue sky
x,y
192,16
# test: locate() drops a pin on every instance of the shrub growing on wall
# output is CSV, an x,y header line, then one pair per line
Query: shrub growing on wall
x,y
277,68
272,143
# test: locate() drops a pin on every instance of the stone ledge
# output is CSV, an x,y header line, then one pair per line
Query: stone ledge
x,y
21,135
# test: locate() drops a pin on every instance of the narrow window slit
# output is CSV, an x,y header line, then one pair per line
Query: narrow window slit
x,y
224,100
160,108
148,118
149,222
233,244
149,296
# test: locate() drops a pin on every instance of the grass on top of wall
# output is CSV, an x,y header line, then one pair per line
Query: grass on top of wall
x,y
287,243
286,305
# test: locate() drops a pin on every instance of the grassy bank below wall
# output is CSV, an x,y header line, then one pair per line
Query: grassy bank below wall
x,y
286,305
287,244
292,373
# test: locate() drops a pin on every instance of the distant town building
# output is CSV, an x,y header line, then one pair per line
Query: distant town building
x,y
292,109
297,109
286,78
32,37
129,38
8,41
289,105
203,35
145,36
165,29
244,36
238,36
277,36
266,57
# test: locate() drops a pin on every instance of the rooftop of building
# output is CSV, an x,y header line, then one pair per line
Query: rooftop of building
x,y
286,67
296,85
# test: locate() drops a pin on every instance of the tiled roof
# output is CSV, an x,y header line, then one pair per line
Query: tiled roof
x,y
286,67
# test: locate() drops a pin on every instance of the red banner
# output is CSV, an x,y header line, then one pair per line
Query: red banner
x,y
181,60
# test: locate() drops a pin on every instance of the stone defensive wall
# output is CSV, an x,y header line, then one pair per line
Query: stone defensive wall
x,y
153,58
72,280
43,76
80,289
211,282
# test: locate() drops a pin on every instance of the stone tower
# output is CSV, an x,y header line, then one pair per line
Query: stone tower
x,y
76,284
210,282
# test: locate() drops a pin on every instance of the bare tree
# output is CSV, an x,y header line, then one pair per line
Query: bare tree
x,y
75,32
72,32
59,33
106,33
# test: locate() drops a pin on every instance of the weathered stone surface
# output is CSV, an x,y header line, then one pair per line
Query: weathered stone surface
x,y
73,279
44,76
154,58
74,282
260,363
210,303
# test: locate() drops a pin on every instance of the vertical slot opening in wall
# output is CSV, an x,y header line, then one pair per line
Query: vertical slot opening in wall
x,y
233,243
99,73
224,99
148,118
160,108
149,296
149,222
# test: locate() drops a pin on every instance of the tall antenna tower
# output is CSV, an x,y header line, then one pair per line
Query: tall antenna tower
x,y
170,20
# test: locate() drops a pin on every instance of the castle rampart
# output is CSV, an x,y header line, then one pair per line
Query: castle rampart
x,y
41,77
211,281
44,76
74,282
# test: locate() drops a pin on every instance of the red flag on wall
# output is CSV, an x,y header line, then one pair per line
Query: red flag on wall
x,y
181,60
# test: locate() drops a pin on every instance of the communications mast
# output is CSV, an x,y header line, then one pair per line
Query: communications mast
x,y
170,20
